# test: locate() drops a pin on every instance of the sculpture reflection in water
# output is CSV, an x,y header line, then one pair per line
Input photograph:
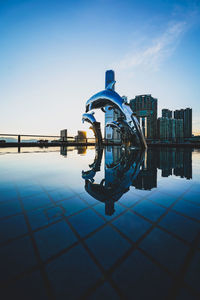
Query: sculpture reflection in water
x,y
125,168
122,166
126,124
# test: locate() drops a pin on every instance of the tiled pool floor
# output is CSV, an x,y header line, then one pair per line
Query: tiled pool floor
x,y
57,243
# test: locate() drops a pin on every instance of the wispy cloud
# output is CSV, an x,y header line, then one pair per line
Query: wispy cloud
x,y
156,50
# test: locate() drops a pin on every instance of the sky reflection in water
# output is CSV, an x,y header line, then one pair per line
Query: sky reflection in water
x,y
109,224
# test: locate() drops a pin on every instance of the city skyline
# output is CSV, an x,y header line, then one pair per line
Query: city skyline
x,y
54,55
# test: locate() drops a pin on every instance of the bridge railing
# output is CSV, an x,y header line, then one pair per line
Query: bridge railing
x,y
40,139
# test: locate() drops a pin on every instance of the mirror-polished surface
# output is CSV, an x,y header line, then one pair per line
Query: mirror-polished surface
x,y
99,224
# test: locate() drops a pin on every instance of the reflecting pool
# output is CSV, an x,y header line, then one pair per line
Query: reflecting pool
x,y
80,223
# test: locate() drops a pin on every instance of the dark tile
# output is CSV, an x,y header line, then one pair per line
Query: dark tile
x,y
16,257
188,209
164,248
53,213
72,205
89,199
12,228
36,201
149,210
38,217
193,273
30,287
129,199
141,193
195,187
100,208
105,291
107,246
54,238
86,222
192,197
30,190
61,194
8,193
72,273
132,226
162,199
138,278
181,226
9,208
174,189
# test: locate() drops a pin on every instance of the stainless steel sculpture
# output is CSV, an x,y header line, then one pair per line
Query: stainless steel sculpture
x,y
127,123
95,126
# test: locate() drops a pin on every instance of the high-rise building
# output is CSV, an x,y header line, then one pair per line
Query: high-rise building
x,y
179,114
179,133
163,128
166,113
147,177
109,78
145,109
170,129
111,134
188,122
186,116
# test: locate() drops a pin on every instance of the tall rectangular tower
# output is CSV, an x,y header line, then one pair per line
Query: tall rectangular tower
x,y
166,113
187,123
110,114
145,109
186,116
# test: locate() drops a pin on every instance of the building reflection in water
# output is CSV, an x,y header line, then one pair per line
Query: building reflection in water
x,y
175,161
125,168
81,150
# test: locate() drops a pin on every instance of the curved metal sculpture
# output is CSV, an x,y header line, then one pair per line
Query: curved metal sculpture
x,y
127,123
95,126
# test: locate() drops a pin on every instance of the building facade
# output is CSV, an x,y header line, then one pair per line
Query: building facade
x,y
170,129
186,116
145,109
163,128
166,113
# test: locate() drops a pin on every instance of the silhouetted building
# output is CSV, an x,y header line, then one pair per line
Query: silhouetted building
x,y
166,113
179,114
166,161
81,137
81,150
163,128
186,116
63,151
188,123
170,129
63,135
147,177
175,161
179,129
145,108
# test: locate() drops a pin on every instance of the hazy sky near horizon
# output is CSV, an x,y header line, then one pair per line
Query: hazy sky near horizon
x,y
54,54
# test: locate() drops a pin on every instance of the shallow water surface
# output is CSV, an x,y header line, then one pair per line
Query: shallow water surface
x,y
99,224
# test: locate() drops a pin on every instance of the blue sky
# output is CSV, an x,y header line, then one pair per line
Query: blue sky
x,y
54,54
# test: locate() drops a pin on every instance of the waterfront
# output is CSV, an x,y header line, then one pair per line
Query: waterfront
x,y
139,240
